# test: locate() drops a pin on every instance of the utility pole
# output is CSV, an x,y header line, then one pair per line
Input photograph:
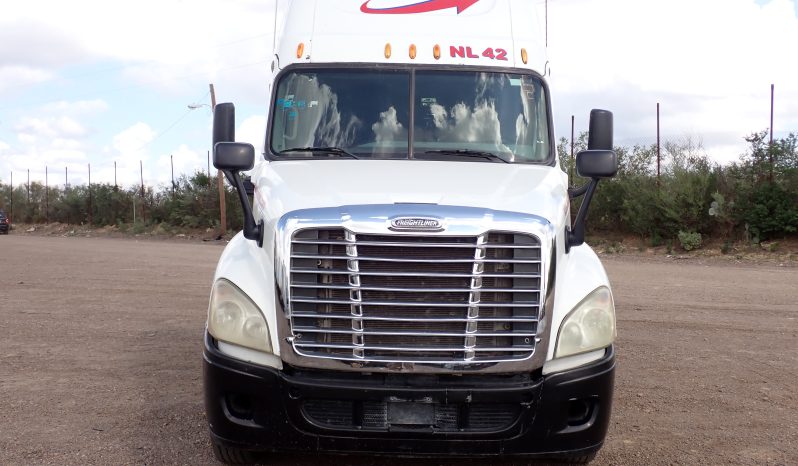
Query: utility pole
x,y
772,101
658,146
29,188
66,178
220,180
91,211
12,195
46,195
143,201
172,163
115,185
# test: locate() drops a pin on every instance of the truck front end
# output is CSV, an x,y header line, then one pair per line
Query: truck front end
x,y
409,280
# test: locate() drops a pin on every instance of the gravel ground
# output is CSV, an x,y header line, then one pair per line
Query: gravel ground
x,y
100,362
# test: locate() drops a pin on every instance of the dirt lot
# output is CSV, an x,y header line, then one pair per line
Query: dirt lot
x,y
100,360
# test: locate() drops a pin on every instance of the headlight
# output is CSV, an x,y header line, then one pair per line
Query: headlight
x,y
234,318
590,326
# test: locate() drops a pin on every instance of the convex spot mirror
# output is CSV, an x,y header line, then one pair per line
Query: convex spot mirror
x,y
234,156
596,164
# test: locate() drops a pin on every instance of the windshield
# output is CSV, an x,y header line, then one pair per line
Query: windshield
x,y
368,113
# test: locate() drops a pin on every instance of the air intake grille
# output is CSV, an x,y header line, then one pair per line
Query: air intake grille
x,y
415,298
376,415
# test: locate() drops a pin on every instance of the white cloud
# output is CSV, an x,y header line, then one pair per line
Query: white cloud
x,y
80,107
128,149
709,63
32,129
133,139
253,131
185,160
14,77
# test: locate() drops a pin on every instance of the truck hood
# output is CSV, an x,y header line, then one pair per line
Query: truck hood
x,y
286,186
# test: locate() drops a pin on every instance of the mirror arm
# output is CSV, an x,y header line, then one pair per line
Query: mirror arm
x,y
251,230
573,193
576,236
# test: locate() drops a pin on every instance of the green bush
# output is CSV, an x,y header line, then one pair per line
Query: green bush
x,y
689,240
770,211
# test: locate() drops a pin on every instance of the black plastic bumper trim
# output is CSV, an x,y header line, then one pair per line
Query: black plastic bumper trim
x,y
259,408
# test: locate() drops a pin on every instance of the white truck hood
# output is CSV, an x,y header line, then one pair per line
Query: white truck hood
x,y
286,186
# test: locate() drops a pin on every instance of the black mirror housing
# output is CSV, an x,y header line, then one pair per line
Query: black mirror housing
x,y
224,123
597,164
233,156
601,130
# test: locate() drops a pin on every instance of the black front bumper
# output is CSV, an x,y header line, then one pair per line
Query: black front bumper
x,y
262,409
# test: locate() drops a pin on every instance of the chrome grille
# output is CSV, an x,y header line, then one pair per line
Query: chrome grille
x,y
400,298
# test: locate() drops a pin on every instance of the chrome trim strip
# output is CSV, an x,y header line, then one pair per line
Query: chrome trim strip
x,y
415,244
413,290
414,349
423,261
416,319
419,274
299,328
414,303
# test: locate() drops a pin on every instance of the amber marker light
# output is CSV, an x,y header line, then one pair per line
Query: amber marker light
x,y
413,52
524,56
436,52
388,50
300,50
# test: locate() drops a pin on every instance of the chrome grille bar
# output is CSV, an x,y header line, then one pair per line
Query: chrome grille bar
x,y
417,245
414,298
474,295
422,334
297,315
426,261
415,274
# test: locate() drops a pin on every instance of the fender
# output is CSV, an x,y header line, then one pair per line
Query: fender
x,y
251,269
579,273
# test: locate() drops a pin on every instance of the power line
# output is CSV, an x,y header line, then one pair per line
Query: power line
x,y
172,125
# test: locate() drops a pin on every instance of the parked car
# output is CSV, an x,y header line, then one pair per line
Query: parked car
x,y
5,223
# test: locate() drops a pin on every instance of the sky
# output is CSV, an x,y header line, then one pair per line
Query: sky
x,y
98,82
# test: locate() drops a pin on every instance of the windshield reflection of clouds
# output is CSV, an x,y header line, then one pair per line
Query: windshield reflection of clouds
x,y
327,120
367,113
389,129
461,124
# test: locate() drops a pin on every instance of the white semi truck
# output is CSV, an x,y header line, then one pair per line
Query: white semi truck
x,y
409,280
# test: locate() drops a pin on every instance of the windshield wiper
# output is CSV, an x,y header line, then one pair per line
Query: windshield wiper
x,y
320,150
468,153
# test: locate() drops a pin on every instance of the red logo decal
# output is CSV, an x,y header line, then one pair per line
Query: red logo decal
x,y
420,7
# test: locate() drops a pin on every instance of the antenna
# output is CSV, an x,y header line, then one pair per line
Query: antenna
x,y
547,23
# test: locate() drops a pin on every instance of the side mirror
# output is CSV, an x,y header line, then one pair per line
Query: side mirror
x,y
233,156
598,162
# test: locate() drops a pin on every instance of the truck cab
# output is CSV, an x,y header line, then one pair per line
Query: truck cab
x,y
409,279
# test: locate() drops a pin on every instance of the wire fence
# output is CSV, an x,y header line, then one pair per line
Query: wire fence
x,y
190,201
756,198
